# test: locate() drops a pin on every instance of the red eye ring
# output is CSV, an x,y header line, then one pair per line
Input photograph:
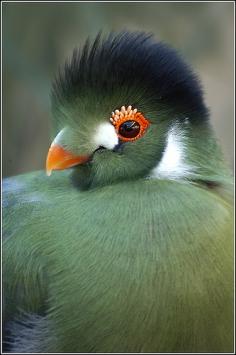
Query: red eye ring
x,y
119,117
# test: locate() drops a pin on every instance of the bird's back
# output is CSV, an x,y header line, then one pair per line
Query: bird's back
x,y
145,266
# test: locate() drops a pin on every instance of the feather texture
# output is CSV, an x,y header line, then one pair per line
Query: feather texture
x,y
118,273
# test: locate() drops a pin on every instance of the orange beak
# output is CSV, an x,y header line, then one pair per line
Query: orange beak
x,y
59,159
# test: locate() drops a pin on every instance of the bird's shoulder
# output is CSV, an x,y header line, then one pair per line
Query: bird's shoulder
x,y
25,196
31,189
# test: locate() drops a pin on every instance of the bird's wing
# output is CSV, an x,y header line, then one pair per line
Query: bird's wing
x,y
27,201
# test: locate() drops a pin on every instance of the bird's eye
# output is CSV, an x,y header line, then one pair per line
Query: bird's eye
x,y
129,124
129,129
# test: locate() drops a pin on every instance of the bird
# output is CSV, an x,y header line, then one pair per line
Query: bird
x,y
124,243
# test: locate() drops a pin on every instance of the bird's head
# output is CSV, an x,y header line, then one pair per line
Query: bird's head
x,y
120,107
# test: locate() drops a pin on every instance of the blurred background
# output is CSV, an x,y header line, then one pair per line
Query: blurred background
x,y
38,37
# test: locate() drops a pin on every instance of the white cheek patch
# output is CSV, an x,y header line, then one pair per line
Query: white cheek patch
x,y
172,164
58,136
106,136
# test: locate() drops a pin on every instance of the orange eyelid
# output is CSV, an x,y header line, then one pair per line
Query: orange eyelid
x,y
128,114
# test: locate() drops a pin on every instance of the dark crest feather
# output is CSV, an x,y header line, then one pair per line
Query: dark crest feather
x,y
129,59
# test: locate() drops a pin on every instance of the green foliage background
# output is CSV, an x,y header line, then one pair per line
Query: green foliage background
x,y
38,37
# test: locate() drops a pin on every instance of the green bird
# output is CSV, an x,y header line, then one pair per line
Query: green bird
x,y
131,249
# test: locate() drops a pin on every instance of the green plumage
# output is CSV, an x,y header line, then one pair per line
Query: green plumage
x,y
114,260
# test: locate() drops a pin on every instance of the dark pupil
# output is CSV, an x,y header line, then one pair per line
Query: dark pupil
x,y
129,129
